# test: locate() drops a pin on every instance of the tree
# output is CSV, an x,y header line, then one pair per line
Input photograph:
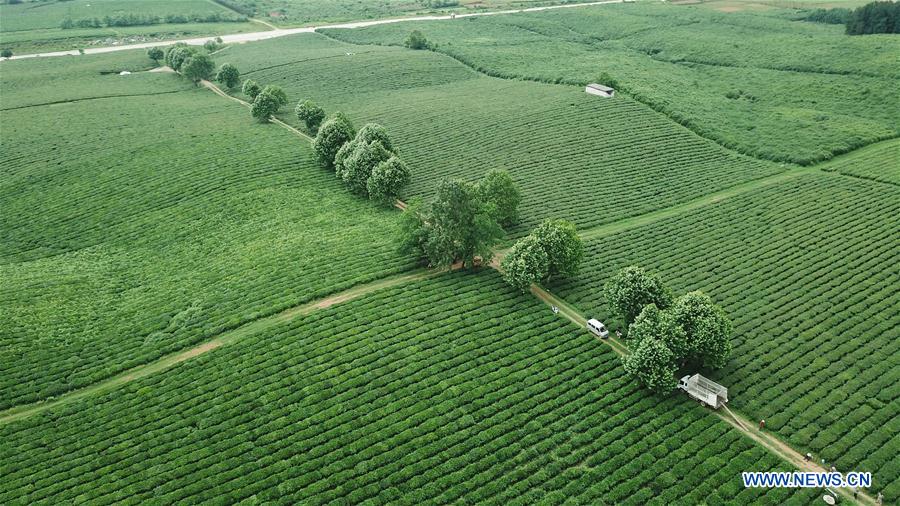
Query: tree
x,y
198,67
331,137
498,189
177,54
277,93
210,45
265,105
455,226
359,164
155,54
707,330
874,17
653,323
526,263
310,114
6,53
561,251
653,364
228,75
387,180
564,248
251,89
371,132
631,289
607,80
416,40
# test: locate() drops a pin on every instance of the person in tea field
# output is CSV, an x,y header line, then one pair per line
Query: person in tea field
x,y
762,424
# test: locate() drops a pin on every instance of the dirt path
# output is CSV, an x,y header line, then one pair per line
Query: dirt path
x,y
238,38
223,339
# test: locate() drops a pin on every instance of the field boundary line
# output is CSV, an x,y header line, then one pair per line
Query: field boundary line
x,y
103,97
222,339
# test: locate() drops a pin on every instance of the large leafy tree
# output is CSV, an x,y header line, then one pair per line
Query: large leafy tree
x,y
526,263
359,164
336,132
561,251
706,328
653,364
197,67
387,180
265,105
416,40
155,54
631,289
498,189
456,226
251,88
277,93
177,54
310,114
228,75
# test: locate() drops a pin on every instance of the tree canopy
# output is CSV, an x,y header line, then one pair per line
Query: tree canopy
x,y
707,330
197,67
455,226
251,89
357,166
552,249
875,17
498,189
228,75
631,289
651,362
266,104
416,40
155,54
310,114
337,131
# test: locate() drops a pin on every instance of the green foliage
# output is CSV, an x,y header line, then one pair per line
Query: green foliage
x,y
155,54
835,16
387,180
197,67
498,189
875,17
526,263
311,114
456,226
177,54
266,104
607,80
251,89
652,363
336,132
563,246
631,289
277,93
371,132
707,331
229,75
358,165
6,53
210,45
416,40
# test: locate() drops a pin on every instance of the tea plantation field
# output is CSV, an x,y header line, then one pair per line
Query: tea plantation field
x,y
575,156
32,26
764,85
452,389
153,222
807,270
880,162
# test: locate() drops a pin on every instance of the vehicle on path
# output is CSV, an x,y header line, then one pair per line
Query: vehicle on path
x,y
708,392
596,327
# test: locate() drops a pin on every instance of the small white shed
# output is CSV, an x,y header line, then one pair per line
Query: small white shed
x,y
599,90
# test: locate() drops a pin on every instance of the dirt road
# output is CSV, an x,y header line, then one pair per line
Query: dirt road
x,y
239,38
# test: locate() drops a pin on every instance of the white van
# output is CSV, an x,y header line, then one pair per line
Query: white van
x,y
597,327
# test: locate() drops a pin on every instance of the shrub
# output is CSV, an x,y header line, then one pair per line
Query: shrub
x,y
416,40
155,54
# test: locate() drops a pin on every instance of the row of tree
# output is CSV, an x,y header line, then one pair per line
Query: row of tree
x,y
132,19
552,249
665,333
365,161
875,17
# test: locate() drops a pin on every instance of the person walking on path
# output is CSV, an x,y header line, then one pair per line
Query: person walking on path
x,y
762,424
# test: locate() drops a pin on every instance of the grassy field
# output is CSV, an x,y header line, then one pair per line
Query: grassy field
x,y
880,162
155,221
575,156
453,389
807,270
763,85
36,25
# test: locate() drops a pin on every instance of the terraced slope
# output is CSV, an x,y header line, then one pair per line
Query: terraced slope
x,y
452,389
154,222
807,270
575,156
766,86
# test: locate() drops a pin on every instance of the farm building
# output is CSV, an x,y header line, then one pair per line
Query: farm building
x,y
599,90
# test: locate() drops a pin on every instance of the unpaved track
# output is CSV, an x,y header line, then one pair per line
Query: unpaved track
x,y
223,339
278,32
